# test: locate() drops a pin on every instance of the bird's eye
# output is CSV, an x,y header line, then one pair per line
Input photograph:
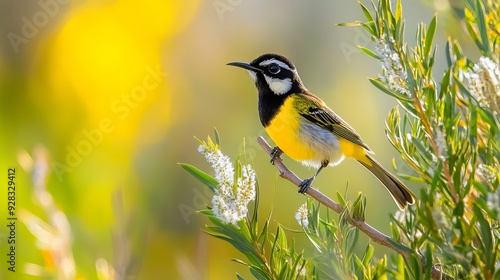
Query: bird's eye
x,y
274,68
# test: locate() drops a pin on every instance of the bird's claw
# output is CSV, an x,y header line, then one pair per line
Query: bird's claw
x,y
306,184
275,153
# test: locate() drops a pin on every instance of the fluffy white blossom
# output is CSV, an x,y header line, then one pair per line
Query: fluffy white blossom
x,y
486,173
393,73
493,201
301,271
483,82
230,200
441,145
302,215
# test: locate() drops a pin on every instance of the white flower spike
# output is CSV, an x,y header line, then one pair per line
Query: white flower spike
x,y
230,201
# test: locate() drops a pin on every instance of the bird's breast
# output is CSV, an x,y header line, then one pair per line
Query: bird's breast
x,y
302,140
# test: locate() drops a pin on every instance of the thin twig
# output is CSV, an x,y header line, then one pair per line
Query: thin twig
x,y
373,233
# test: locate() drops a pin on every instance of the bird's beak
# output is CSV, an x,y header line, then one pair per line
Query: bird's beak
x,y
244,66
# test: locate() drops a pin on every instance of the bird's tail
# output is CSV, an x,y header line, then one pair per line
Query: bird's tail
x,y
399,192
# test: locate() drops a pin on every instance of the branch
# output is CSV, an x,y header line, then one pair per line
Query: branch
x,y
432,141
373,233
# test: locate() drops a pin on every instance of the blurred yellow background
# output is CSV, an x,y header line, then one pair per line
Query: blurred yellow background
x,y
115,92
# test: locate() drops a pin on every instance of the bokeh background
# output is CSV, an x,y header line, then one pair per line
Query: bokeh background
x,y
112,93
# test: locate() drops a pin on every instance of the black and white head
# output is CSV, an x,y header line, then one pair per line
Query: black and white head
x,y
273,73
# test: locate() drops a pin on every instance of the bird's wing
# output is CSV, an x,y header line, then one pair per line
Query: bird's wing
x,y
315,110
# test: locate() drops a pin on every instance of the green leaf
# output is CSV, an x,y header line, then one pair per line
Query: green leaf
x,y
258,273
370,20
409,107
256,261
381,86
486,236
237,174
437,175
399,246
457,50
481,25
496,276
470,29
244,230
463,88
429,37
473,128
449,52
488,117
217,138
445,83
263,234
341,199
351,239
459,209
281,236
315,241
349,24
428,261
206,179
399,11
255,214
206,212
422,148
273,247
367,255
395,232
358,208
369,52
359,266
416,267
239,261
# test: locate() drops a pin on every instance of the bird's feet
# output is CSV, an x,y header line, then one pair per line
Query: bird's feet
x,y
306,184
275,153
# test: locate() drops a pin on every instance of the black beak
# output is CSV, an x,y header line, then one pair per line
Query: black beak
x,y
245,66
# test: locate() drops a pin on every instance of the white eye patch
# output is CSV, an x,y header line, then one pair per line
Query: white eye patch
x,y
280,63
278,86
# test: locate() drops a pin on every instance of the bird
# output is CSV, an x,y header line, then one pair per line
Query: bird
x,y
305,129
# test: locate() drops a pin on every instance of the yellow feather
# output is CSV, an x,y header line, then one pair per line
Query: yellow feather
x,y
283,130
355,151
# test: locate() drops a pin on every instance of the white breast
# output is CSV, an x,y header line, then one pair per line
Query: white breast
x,y
322,141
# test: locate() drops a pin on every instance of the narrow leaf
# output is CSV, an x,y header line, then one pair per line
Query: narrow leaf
x,y
369,18
381,86
485,233
369,52
349,24
428,261
429,37
206,179
483,32
217,138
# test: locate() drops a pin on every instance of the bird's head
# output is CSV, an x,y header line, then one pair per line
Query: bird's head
x,y
273,73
